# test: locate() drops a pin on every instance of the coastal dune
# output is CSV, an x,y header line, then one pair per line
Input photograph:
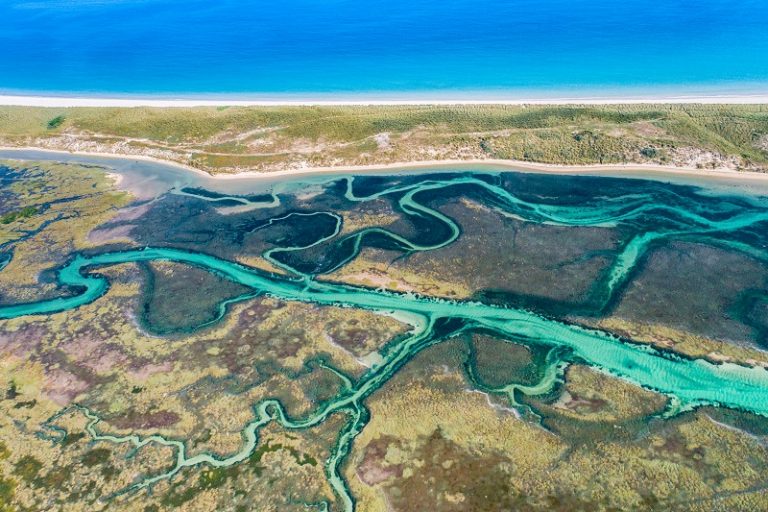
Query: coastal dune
x,y
275,141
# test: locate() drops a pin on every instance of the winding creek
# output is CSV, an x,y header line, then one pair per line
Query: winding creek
x,y
688,383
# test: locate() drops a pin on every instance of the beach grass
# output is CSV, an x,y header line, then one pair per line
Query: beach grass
x,y
230,139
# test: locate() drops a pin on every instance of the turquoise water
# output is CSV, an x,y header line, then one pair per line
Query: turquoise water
x,y
396,49
690,382
654,214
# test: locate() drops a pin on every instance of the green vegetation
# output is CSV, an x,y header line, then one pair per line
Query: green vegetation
x,y
213,478
96,456
12,392
24,213
55,122
7,488
27,468
71,438
269,138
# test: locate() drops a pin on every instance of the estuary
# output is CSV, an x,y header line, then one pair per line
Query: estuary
x,y
307,244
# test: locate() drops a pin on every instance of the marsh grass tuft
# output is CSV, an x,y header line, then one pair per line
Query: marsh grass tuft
x,y
55,122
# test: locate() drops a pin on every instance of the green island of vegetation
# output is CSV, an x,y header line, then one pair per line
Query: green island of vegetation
x,y
24,213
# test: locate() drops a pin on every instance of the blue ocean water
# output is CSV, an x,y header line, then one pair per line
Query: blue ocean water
x,y
391,49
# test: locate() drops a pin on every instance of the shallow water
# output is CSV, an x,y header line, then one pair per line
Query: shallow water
x,y
147,179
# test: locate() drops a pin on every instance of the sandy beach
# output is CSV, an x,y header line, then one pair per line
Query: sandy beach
x,y
65,101
609,170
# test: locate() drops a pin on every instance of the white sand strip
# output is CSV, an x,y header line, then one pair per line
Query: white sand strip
x,y
64,101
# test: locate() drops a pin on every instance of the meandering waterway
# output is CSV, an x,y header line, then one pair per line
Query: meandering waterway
x,y
687,382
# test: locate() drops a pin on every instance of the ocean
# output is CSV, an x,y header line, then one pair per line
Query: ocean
x,y
308,49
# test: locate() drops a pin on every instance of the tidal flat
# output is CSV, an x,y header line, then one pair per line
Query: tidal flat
x,y
462,340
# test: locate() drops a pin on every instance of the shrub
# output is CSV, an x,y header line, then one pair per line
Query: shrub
x,y
55,122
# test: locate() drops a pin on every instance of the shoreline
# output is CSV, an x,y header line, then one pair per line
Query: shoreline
x,y
648,171
149,101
